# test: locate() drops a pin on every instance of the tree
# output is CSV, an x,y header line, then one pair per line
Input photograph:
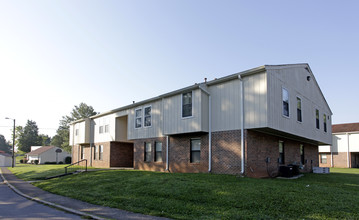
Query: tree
x,y
4,145
45,140
28,136
61,139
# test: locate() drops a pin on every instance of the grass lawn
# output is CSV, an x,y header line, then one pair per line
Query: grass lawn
x,y
37,172
209,196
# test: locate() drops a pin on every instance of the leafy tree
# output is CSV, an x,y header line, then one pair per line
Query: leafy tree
x,y
61,139
45,140
28,136
4,145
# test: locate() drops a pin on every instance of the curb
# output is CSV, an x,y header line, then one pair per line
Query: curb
x,y
73,211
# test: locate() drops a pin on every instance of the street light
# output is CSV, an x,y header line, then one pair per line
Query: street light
x,y
13,143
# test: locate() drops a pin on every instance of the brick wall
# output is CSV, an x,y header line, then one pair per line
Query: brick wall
x,y
340,159
138,155
329,159
121,154
105,161
259,146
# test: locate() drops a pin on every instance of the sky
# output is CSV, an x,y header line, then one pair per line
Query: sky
x,y
56,54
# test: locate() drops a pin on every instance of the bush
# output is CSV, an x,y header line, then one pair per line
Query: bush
x,y
36,162
47,162
68,160
61,162
21,161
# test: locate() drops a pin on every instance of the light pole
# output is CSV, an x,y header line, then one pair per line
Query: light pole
x,y
13,143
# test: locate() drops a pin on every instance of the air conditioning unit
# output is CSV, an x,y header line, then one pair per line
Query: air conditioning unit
x,y
321,170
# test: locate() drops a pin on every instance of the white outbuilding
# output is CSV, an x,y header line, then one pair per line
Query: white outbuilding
x,y
47,154
5,160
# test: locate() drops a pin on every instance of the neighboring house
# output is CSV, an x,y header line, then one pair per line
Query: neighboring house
x,y
344,151
32,148
276,112
47,154
5,159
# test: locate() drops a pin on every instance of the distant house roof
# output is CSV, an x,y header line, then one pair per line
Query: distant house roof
x,y
350,127
40,150
5,154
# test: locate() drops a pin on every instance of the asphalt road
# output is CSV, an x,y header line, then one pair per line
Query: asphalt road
x,y
14,206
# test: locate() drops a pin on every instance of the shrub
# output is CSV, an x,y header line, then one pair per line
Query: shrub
x,y
68,160
48,162
21,161
36,162
61,162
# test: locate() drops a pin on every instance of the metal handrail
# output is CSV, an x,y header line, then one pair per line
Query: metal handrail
x,y
77,163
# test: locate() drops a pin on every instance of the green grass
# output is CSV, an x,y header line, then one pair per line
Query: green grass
x,y
209,196
30,172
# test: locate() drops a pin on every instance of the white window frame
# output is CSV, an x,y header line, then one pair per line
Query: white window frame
x,y
76,132
144,116
282,100
107,128
190,116
301,108
141,116
100,129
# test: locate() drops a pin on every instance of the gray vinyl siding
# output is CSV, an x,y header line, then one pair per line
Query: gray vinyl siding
x,y
155,130
173,121
294,80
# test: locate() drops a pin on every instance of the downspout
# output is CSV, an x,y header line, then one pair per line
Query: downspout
x,y
167,138
91,143
242,123
167,147
348,158
209,129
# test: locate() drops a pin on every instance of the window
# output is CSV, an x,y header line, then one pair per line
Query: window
x,y
317,118
148,151
76,132
323,158
195,150
325,122
285,98
100,155
148,116
107,128
301,149
299,109
281,152
187,104
100,130
138,118
82,152
96,152
158,152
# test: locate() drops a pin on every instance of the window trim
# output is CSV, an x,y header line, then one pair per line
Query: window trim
x,y
301,111
317,118
156,152
141,116
190,116
147,152
191,151
144,116
283,88
281,158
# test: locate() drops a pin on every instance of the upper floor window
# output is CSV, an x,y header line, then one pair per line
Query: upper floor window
x,y
158,153
195,150
138,118
100,130
285,98
317,118
76,132
325,122
148,152
148,116
187,104
281,152
299,109
107,128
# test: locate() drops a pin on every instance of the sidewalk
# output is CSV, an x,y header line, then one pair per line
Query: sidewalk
x,y
68,204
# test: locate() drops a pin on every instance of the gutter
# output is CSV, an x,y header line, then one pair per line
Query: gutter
x,y
242,123
209,128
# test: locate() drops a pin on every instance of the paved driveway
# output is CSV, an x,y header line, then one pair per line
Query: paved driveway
x,y
14,206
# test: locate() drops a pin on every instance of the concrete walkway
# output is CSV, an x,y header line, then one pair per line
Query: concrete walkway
x,y
68,204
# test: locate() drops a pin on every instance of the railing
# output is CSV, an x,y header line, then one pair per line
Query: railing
x,y
79,166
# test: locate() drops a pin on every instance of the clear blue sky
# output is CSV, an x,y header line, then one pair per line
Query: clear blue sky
x,y
56,54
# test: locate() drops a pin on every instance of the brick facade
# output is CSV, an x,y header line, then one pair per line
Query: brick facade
x,y
259,146
340,159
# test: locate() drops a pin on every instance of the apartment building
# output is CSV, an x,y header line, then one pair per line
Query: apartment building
x,y
246,123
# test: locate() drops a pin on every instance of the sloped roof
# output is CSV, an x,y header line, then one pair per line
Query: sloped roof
x,y
349,127
40,150
6,154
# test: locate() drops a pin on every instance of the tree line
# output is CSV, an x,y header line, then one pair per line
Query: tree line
x,y
28,136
